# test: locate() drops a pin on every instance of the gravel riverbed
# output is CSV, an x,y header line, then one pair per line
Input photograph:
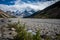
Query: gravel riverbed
x,y
47,26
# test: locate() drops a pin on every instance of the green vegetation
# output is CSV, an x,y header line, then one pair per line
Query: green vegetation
x,y
48,38
58,37
23,34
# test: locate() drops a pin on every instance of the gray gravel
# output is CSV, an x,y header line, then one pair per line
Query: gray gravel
x,y
47,26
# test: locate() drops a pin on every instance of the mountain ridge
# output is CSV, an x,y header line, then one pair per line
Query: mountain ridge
x,y
5,14
52,11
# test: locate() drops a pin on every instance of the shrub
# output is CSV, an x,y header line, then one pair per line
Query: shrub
x,y
22,33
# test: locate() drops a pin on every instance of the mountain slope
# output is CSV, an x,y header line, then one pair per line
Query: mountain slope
x,y
52,11
4,14
25,12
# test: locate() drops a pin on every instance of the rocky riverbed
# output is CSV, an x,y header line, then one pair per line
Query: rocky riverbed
x,y
50,27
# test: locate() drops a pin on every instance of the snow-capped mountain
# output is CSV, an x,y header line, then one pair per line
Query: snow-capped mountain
x,y
23,13
28,11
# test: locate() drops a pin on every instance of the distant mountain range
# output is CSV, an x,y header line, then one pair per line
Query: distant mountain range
x,y
5,14
26,12
52,11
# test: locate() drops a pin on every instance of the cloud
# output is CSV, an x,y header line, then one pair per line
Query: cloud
x,y
20,5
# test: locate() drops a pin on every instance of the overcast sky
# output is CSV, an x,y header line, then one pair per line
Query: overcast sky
x,y
13,5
